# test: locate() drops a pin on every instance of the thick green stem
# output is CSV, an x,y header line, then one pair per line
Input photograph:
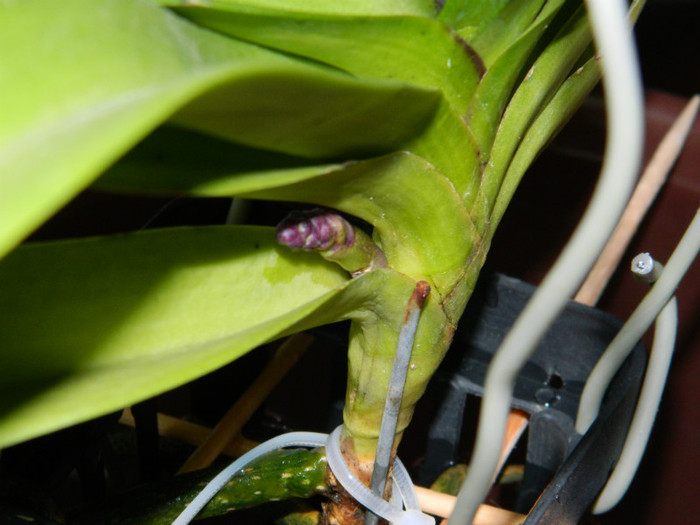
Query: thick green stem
x,y
370,359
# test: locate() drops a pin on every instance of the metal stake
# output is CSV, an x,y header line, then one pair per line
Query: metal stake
x,y
395,393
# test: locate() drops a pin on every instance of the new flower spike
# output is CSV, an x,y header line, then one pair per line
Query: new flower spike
x,y
333,237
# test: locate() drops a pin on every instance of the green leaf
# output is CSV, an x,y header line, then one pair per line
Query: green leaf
x,y
463,15
416,50
494,91
90,326
77,95
492,38
551,119
539,86
115,320
74,95
324,7
175,161
311,112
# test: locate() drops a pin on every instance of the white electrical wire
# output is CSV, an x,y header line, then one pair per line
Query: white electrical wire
x,y
654,379
624,107
645,413
638,323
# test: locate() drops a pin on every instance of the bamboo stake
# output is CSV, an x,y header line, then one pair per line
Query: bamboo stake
x,y
231,423
651,181
191,433
516,425
441,505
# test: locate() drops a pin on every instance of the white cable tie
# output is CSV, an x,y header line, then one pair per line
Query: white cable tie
x,y
402,482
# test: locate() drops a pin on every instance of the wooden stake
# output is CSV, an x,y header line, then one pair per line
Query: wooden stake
x,y
516,425
232,422
649,184
191,433
441,505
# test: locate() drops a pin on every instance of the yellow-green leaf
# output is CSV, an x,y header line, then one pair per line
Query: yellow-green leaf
x,y
77,94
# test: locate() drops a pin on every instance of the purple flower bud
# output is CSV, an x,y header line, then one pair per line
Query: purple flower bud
x,y
317,229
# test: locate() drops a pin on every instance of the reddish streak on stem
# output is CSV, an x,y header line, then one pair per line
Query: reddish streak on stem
x,y
420,294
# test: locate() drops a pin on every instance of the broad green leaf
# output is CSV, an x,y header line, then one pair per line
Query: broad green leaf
x,y
116,319
97,324
324,7
396,193
418,51
78,94
415,50
175,161
311,112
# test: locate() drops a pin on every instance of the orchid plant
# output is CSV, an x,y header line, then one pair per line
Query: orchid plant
x,y
417,118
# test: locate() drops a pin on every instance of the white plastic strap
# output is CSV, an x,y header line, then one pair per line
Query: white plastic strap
x,y
411,516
